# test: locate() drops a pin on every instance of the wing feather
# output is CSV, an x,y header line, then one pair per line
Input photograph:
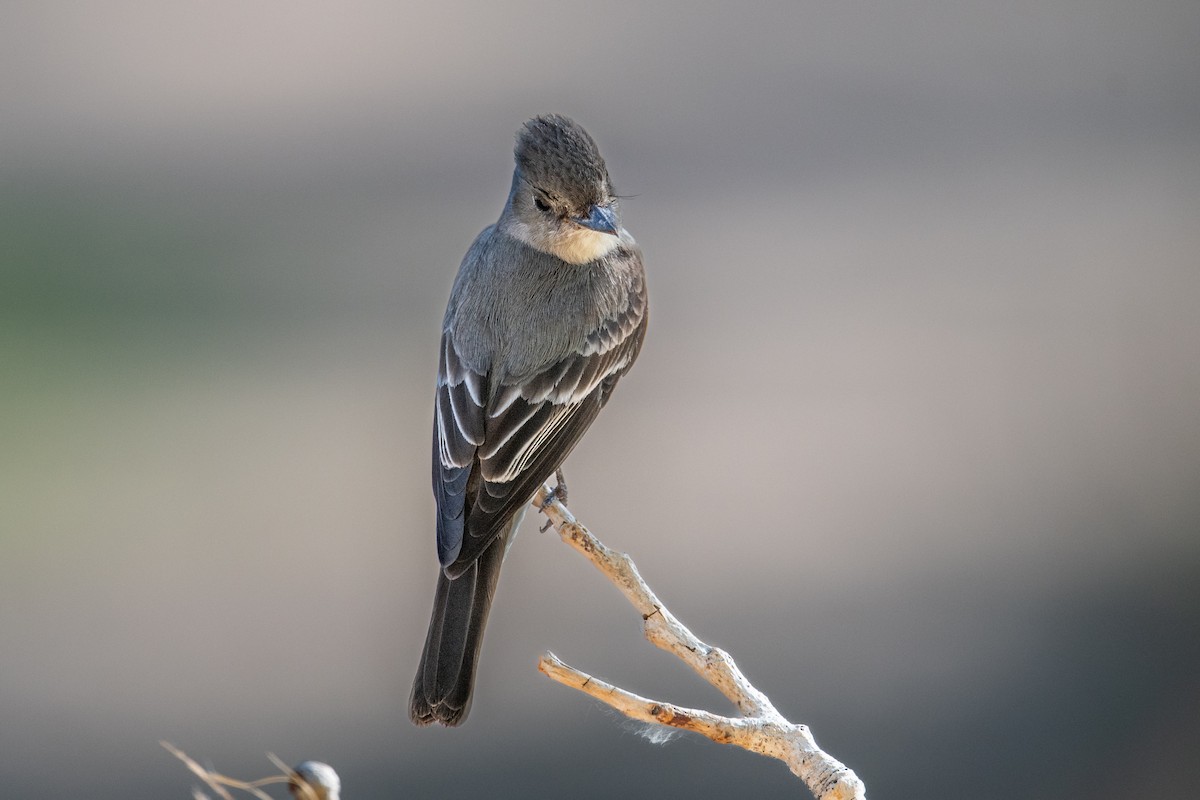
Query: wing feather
x,y
495,444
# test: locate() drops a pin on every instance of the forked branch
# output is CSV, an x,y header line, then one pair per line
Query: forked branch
x,y
760,728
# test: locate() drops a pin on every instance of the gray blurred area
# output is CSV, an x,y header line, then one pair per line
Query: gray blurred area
x,y
915,434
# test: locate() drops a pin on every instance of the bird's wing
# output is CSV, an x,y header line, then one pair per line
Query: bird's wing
x,y
492,453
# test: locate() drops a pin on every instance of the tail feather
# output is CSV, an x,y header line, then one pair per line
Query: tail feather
x,y
442,689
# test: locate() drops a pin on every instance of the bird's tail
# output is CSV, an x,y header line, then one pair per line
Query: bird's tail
x,y
442,689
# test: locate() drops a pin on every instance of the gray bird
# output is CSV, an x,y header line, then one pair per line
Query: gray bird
x,y
547,312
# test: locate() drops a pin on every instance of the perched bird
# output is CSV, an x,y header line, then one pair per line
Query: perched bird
x,y
547,312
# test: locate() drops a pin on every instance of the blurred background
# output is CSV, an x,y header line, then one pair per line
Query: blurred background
x,y
915,434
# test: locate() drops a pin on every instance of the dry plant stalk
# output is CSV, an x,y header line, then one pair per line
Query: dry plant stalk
x,y
221,784
760,728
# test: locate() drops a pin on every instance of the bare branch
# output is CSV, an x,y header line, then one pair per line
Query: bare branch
x,y
760,729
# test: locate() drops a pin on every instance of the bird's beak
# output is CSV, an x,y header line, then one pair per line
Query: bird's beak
x,y
600,218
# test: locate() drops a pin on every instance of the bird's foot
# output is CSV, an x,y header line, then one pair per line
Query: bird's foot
x,y
559,493
560,486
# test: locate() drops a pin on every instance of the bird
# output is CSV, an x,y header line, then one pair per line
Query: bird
x,y
548,311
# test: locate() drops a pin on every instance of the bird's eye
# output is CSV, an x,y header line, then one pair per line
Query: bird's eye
x,y
541,204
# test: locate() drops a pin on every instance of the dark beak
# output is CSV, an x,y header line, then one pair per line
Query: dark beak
x,y
600,218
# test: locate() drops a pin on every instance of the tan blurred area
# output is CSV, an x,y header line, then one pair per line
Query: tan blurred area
x,y
915,433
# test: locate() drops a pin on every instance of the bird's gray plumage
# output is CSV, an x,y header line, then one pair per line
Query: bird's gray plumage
x,y
561,161
533,341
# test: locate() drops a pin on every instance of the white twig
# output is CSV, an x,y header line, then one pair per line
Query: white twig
x,y
760,728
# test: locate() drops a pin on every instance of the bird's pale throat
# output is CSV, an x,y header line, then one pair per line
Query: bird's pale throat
x,y
572,243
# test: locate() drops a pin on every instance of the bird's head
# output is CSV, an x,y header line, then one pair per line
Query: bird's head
x,y
562,200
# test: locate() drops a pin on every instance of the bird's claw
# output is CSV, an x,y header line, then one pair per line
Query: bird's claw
x,y
560,486
558,492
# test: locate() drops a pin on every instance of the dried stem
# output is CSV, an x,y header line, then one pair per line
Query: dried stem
x,y
220,784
